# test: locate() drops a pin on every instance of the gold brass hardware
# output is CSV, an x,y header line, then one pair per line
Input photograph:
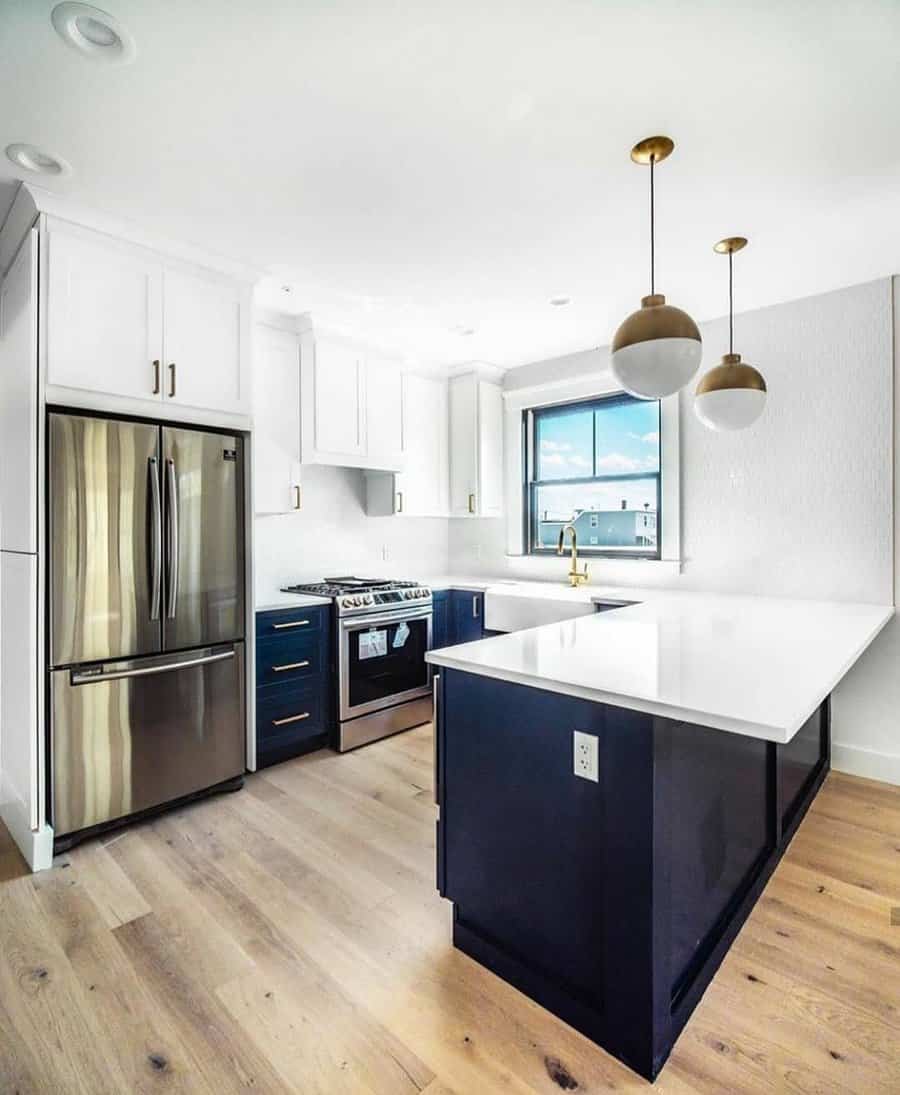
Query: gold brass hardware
x,y
294,623
290,718
576,577
172,380
655,149
156,378
399,501
730,245
471,503
291,665
296,496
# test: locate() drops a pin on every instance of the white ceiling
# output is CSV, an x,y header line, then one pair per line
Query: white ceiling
x,y
413,167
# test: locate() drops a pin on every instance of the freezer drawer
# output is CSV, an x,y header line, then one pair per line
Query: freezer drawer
x,y
131,735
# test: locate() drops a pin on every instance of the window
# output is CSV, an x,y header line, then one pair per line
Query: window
x,y
595,465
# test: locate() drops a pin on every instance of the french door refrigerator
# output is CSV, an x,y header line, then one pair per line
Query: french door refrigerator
x,y
146,607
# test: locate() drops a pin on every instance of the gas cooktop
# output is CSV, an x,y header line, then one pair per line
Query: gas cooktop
x,y
357,595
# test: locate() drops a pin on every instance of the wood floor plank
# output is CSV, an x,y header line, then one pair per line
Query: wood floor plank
x,y
290,938
114,894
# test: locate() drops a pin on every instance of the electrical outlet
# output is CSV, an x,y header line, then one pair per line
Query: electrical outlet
x,y
586,750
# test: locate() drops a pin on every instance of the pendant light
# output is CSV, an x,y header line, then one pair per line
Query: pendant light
x,y
733,394
657,349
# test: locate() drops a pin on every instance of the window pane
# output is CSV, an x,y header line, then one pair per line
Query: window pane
x,y
616,515
564,444
627,438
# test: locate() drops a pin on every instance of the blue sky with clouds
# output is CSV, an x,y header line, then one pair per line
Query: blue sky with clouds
x,y
627,443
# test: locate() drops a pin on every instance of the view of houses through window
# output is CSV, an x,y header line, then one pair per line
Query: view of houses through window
x,y
595,465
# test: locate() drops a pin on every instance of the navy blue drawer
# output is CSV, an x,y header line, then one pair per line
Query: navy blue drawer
x,y
290,657
290,715
291,621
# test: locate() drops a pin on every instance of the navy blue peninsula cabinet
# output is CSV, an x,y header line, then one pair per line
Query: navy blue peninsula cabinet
x,y
610,903
293,682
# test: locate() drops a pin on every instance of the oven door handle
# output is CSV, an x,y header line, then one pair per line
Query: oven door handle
x,y
361,623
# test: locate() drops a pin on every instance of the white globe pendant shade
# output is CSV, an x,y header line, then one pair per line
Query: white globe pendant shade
x,y
657,350
731,396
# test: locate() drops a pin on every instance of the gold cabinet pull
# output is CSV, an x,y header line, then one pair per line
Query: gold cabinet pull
x,y
171,380
290,665
290,718
471,503
156,384
293,623
296,496
399,501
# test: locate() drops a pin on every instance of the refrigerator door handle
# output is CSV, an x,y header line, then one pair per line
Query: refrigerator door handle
x,y
172,545
155,539
147,671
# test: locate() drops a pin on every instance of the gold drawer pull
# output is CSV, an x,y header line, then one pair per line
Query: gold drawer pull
x,y
295,623
290,718
291,665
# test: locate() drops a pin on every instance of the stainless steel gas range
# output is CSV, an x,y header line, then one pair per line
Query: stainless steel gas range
x,y
382,631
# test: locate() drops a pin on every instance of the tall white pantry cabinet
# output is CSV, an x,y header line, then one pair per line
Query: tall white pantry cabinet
x,y
95,322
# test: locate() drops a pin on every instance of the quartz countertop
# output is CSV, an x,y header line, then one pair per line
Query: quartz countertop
x,y
280,601
757,666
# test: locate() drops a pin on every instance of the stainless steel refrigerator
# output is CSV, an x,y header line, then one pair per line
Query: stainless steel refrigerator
x,y
146,605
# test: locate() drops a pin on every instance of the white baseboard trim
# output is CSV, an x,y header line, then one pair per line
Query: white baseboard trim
x,y
35,845
866,763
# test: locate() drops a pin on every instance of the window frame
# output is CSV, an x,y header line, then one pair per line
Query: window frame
x,y
530,419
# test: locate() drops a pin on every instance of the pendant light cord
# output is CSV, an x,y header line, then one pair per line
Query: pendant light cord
x,y
652,232
730,303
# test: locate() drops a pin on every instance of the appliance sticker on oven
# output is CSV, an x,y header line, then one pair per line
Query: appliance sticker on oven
x,y
372,644
400,635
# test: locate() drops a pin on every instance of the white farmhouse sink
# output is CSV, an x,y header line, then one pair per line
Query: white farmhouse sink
x,y
514,606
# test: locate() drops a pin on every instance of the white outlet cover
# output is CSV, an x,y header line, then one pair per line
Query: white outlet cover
x,y
586,755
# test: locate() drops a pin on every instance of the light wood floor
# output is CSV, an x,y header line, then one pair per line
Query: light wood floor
x,y
289,938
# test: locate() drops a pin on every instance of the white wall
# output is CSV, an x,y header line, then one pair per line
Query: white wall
x,y
332,535
801,505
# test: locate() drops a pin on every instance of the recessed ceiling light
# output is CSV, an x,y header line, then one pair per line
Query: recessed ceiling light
x,y
30,158
560,302
286,289
93,32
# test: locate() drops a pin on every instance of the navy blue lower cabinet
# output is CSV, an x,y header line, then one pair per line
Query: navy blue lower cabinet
x,y
440,622
611,903
293,683
466,615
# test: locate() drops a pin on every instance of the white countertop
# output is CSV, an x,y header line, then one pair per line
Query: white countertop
x,y
750,665
281,601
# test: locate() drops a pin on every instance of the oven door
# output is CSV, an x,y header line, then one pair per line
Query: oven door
x,y
382,660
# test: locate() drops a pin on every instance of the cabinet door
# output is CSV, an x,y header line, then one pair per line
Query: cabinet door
x,y
463,445
384,414
18,401
276,421
205,324
339,399
424,484
467,616
490,450
104,314
440,621
18,679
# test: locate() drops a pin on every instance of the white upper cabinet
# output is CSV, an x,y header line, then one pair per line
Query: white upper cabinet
x,y
352,405
422,488
124,322
339,403
276,421
18,401
384,414
205,325
104,315
476,447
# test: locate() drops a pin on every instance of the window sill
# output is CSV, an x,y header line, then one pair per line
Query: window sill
x,y
603,568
